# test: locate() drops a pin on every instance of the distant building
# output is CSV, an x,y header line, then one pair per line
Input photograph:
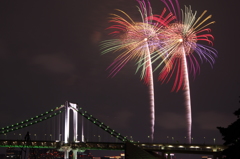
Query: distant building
x,y
54,154
13,153
111,157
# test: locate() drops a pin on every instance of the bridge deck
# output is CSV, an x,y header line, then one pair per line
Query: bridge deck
x,y
175,148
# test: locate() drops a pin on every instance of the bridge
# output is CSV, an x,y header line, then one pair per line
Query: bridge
x,y
61,140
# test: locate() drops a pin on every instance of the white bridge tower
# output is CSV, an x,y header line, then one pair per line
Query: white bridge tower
x,y
66,147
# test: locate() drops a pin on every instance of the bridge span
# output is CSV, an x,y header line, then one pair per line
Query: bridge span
x,y
62,139
82,146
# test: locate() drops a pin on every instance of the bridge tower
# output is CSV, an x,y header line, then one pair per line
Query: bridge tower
x,y
66,148
71,106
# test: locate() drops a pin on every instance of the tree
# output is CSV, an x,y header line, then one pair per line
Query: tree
x,y
231,136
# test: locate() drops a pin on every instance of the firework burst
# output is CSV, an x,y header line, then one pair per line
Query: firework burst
x,y
137,41
181,51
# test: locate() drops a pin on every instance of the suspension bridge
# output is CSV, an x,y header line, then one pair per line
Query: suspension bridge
x,y
59,131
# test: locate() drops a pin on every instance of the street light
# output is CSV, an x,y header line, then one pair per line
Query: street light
x,y
131,138
149,138
99,138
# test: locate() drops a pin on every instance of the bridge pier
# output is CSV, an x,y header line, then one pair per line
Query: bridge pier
x,y
66,154
74,154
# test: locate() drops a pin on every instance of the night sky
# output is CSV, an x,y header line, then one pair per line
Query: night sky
x,y
49,54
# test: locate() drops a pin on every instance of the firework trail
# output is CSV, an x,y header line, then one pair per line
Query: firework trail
x,y
138,41
180,42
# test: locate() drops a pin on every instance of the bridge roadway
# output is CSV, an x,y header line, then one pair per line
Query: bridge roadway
x,y
81,146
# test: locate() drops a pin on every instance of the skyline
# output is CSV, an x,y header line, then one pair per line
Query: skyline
x,y
50,54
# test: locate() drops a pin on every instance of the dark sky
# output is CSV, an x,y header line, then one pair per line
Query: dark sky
x,y
49,53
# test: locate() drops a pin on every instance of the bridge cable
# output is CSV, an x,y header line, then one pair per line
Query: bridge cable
x,y
102,125
31,121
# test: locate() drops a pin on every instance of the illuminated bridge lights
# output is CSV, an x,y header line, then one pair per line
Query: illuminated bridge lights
x,y
26,123
107,146
99,124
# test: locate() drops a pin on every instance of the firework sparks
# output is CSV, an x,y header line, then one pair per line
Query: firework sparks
x,y
181,51
138,41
